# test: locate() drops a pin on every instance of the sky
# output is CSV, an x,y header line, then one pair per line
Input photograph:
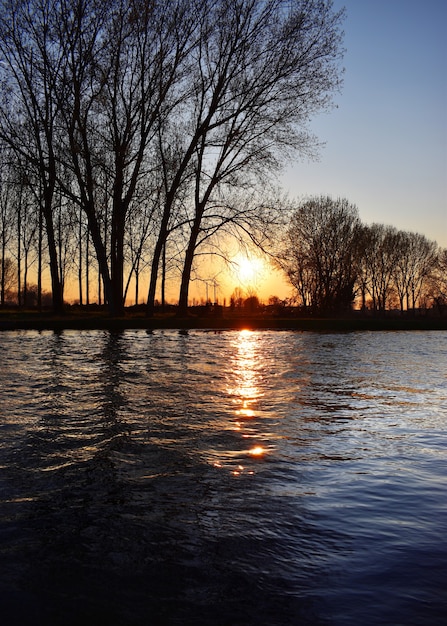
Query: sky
x,y
386,142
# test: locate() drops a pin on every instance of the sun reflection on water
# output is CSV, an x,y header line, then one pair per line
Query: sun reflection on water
x,y
257,451
245,393
244,388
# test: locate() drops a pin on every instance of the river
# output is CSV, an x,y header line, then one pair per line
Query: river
x,y
223,478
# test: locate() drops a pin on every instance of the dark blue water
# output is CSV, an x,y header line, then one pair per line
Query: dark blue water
x,y
234,478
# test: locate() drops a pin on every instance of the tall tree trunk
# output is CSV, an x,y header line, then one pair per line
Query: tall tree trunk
x,y
170,197
87,270
116,306
19,254
187,267
56,286
25,278
3,263
150,306
137,281
39,260
80,252
101,257
163,279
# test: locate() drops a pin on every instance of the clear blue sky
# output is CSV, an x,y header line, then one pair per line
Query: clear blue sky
x,y
386,143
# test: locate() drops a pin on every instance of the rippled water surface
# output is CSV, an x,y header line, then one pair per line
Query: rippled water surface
x,y
233,478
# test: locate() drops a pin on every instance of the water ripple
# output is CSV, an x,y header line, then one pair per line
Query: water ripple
x,y
223,478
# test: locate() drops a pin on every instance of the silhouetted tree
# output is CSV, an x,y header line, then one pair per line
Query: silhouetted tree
x,y
415,261
237,298
6,222
438,282
28,110
261,71
251,304
320,253
379,260
124,76
104,101
7,279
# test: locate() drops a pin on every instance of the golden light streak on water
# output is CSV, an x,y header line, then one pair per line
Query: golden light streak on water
x,y
257,451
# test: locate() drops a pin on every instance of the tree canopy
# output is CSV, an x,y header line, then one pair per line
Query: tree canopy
x,y
139,119
331,258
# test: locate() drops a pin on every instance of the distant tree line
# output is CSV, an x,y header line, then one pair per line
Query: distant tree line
x,y
136,135
334,261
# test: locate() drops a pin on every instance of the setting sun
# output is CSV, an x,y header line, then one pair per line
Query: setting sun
x,y
249,270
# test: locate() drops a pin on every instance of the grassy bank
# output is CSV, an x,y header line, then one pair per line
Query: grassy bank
x,y
32,320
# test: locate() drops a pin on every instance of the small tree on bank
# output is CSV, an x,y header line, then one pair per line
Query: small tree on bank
x,y
320,254
331,259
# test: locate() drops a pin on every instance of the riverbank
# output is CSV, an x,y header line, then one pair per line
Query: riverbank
x,y
96,321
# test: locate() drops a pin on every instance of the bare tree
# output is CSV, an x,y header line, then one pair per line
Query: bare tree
x,y
28,112
442,266
138,235
24,208
380,257
7,279
125,64
6,222
321,253
260,73
99,96
423,259
415,261
27,233
437,287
